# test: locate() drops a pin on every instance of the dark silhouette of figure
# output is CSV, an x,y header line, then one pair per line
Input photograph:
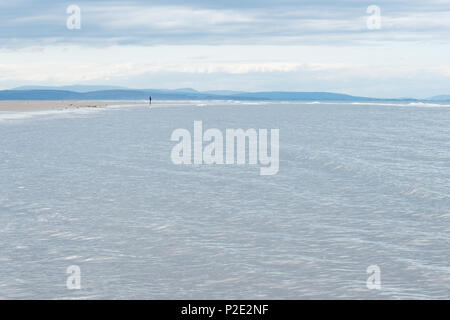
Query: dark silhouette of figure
x,y
150,100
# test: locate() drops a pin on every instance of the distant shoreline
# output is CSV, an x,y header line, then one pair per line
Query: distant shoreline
x,y
54,105
177,94
90,93
45,105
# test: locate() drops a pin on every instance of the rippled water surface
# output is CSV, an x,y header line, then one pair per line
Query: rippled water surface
x,y
358,185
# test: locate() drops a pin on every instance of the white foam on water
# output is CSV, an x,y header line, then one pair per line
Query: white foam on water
x,y
410,104
313,102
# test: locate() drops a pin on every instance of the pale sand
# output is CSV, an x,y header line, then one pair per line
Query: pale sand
x,y
42,105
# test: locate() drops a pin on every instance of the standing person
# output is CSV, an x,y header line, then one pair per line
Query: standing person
x,y
150,100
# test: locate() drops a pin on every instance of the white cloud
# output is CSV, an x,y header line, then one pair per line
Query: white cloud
x,y
283,44
89,71
166,17
150,24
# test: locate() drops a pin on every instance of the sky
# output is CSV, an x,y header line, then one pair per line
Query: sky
x,y
246,45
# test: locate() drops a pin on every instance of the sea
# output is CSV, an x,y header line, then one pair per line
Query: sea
x,y
359,209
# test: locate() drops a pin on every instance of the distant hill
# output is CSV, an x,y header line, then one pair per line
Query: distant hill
x,y
165,94
38,95
301,96
124,94
440,98
224,92
84,92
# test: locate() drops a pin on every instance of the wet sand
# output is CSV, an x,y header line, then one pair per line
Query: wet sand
x,y
42,105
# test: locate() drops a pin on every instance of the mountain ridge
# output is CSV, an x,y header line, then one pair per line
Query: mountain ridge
x,y
442,97
57,93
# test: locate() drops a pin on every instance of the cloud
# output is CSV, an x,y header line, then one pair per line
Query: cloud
x,y
167,18
244,45
84,71
222,22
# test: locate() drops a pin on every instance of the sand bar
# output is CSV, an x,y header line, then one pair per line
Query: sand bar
x,y
42,105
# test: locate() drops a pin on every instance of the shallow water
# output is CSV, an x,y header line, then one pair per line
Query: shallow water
x,y
358,185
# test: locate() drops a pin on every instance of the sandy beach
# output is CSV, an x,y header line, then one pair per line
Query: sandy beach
x,y
41,105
